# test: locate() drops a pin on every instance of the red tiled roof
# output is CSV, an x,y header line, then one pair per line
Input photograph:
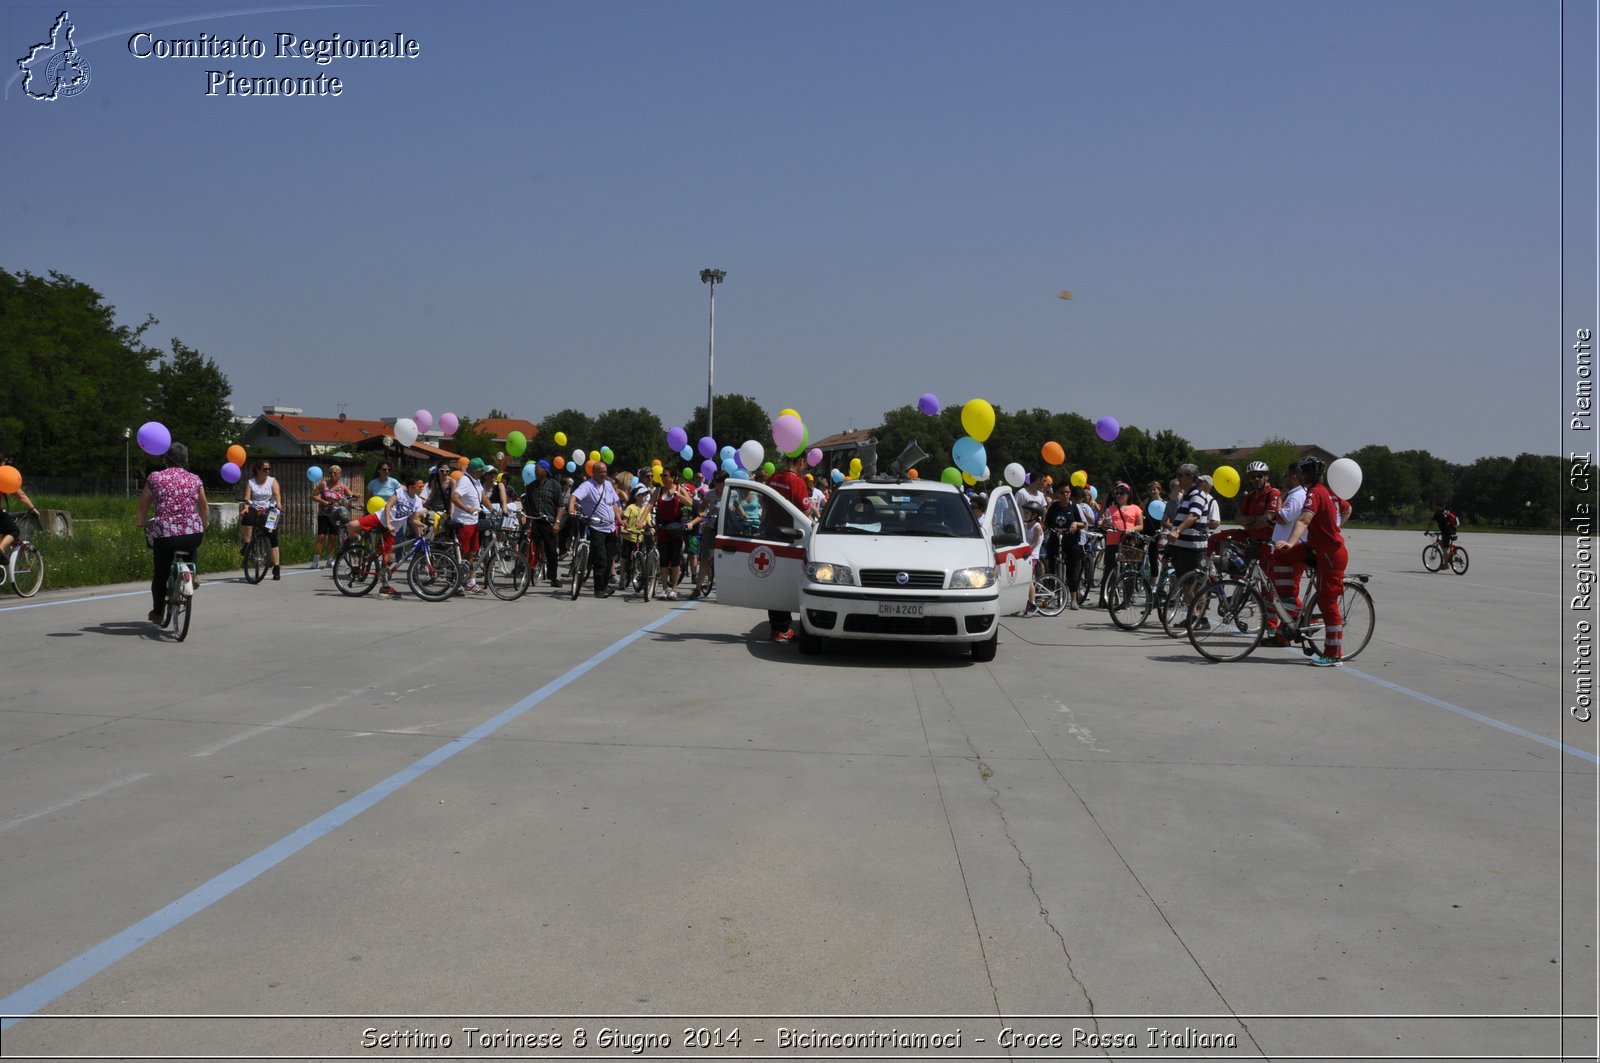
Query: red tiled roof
x,y
844,439
322,430
501,427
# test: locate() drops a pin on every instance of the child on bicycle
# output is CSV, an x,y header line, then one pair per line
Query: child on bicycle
x,y
635,526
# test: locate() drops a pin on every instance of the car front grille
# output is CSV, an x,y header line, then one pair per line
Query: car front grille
x,y
868,624
916,579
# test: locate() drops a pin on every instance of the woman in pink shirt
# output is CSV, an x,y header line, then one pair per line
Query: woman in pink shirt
x,y
181,510
1121,517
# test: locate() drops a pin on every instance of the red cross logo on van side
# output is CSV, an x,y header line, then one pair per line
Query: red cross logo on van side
x,y
761,561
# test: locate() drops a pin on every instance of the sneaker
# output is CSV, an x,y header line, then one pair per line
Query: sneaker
x,y
1201,624
783,636
316,562
275,573
389,592
155,617
1031,610
672,596
1327,662
710,595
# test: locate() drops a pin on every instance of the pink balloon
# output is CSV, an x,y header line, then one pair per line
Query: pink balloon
x,y
424,420
448,423
814,456
788,432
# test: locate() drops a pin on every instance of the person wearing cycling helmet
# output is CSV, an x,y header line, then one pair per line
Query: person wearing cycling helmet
x,y
1319,525
1257,512
635,525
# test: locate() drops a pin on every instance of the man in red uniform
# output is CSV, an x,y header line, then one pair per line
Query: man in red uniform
x,y
791,484
1319,525
1258,511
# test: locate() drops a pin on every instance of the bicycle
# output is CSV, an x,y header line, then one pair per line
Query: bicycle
x,y
1184,594
23,568
580,560
508,570
258,551
434,571
357,565
1131,596
1435,556
1243,606
644,565
1094,539
1050,579
180,596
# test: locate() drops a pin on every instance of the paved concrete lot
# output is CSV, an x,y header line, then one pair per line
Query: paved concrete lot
x,y
1099,827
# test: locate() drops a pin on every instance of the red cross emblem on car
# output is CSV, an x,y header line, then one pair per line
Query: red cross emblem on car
x,y
761,561
1011,567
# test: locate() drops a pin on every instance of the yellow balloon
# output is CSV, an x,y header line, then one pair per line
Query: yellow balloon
x,y
789,413
374,504
655,473
977,417
561,439
1226,481
594,455
1080,479
968,479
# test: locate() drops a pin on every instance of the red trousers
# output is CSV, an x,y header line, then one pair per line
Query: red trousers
x,y
1330,588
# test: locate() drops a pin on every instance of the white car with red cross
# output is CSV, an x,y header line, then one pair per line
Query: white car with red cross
x,y
888,559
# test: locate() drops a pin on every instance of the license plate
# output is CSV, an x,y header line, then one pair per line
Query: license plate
x,y
899,608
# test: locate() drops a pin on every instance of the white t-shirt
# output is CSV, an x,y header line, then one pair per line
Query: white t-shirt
x,y
465,511
261,493
399,510
1294,500
1032,494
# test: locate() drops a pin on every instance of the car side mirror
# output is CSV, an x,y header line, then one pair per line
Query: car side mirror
x,y
792,535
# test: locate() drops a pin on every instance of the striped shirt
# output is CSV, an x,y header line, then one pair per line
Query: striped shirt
x,y
1195,504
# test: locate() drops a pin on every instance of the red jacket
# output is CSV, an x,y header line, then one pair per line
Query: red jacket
x,y
791,486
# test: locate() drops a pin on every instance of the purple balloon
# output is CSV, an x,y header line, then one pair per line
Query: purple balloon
x,y
448,423
230,472
677,439
424,420
708,469
1107,428
708,447
154,439
814,456
929,404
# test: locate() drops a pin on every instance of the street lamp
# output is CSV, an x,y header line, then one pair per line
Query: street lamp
x,y
127,463
712,277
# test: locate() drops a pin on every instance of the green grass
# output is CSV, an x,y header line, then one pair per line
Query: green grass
x,y
106,547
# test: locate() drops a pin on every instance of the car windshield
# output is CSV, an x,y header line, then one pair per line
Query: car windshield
x,y
895,510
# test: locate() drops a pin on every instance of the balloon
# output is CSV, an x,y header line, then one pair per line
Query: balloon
x,y
730,466
516,443
462,463
968,479
424,420
855,467
1053,454
768,468
1157,509
374,504
560,438
448,423
951,475
707,447
686,453
314,474
530,473
154,439
969,455
800,448
677,439
455,474
708,469
577,456
688,474
1107,428
929,404
1080,479
1015,474
725,453
588,467
558,461
10,480
1225,480
738,474
788,433
977,417
838,476
985,475
752,454
230,473
786,412
594,455
1344,478
405,431
1094,493
814,457
912,473
237,456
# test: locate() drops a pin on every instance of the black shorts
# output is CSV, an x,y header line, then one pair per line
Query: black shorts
x,y
326,525
670,548
8,526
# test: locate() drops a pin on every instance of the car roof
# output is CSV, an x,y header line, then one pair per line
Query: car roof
x,y
899,485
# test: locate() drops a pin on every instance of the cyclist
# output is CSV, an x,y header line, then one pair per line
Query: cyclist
x,y
671,529
330,494
541,503
400,520
635,526
1188,523
596,502
1121,517
261,493
1082,516
1258,510
705,528
181,511
1448,522
1033,529
10,532
1318,524
466,499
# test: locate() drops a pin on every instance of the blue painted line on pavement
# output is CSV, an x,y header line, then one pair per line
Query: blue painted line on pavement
x,y
72,601
1581,754
46,989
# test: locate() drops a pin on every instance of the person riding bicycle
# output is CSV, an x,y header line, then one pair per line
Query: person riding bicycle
x,y
636,524
466,499
595,503
1121,517
181,511
1189,524
1448,522
261,495
1318,524
1257,514
400,519
10,531
1033,531
541,504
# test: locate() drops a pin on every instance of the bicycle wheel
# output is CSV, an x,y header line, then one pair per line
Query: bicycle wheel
x,y
1085,577
1175,611
1129,599
1359,616
433,575
180,607
355,569
509,581
1458,562
1226,621
255,557
27,569
652,567
1432,557
1049,596
580,567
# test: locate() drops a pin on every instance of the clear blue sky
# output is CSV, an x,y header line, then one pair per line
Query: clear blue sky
x,y
1332,221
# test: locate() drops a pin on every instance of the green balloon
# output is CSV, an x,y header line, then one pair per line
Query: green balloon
x,y
688,474
607,456
768,468
951,475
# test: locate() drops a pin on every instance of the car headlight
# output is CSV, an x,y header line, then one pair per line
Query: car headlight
x,y
823,572
972,578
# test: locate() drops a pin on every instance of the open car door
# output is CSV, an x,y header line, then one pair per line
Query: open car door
x,y
760,548
1013,557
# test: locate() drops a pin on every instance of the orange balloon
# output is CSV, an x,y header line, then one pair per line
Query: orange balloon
x,y
10,480
455,474
559,462
1053,454
913,474
237,455
462,463
588,467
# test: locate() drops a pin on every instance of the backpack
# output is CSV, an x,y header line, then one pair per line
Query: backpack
x,y
1451,519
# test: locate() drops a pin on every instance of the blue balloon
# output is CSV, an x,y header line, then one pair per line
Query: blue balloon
x,y
838,476
530,472
730,466
738,474
314,474
728,454
687,453
969,456
1158,509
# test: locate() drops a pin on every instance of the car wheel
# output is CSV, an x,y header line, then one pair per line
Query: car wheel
x,y
809,645
984,651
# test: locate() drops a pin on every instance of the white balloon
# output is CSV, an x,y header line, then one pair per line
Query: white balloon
x,y
1344,478
577,457
752,454
405,431
1016,475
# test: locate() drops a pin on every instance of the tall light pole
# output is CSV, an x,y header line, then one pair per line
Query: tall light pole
x,y
712,277
127,463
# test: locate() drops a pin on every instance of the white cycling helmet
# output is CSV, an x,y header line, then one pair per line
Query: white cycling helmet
x,y
1255,466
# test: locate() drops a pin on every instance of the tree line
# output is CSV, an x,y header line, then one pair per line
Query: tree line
x,y
75,378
